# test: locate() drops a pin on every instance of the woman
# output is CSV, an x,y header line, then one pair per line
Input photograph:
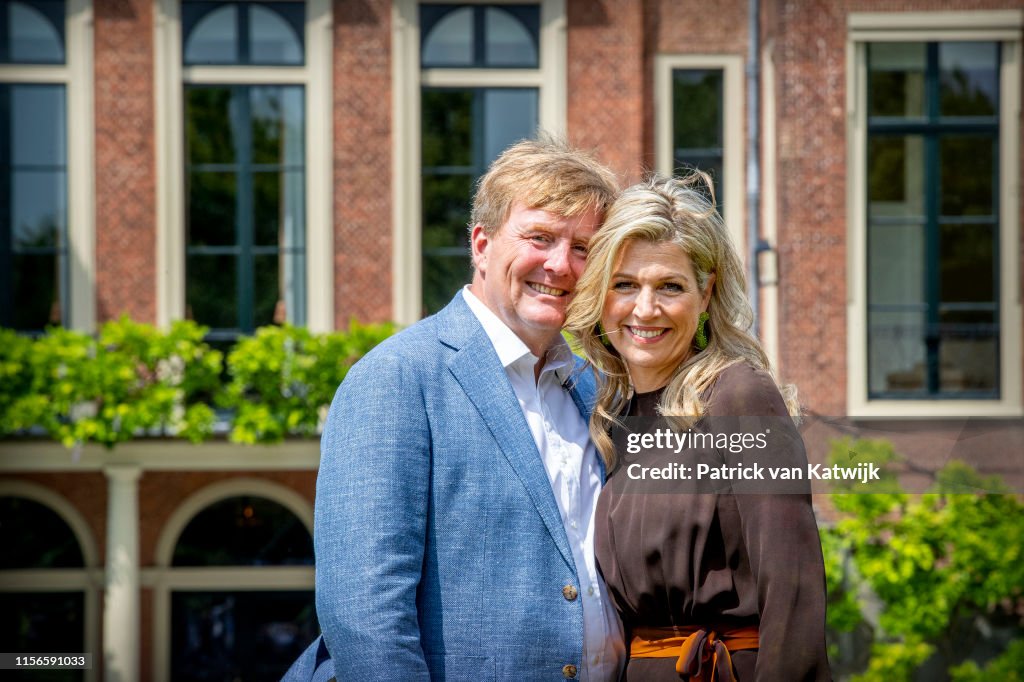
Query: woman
x,y
714,584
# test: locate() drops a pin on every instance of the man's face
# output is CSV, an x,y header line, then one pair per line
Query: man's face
x,y
527,270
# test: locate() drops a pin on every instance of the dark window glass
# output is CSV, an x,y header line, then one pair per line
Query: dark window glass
x,y
31,31
33,194
480,36
38,622
239,635
933,311
246,208
35,536
463,131
697,120
244,531
257,33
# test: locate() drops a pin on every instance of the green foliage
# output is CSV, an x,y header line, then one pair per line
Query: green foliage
x,y
1008,667
133,379
283,377
937,562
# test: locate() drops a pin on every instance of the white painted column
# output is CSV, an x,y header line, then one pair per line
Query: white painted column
x,y
121,602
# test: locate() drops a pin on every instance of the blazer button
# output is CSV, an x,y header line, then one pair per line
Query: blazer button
x,y
570,593
569,671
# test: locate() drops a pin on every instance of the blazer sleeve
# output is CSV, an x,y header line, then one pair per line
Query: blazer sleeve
x,y
370,521
781,538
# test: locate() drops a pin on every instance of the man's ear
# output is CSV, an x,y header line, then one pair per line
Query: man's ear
x,y
479,241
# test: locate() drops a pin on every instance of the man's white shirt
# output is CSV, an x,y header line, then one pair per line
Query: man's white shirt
x,y
572,465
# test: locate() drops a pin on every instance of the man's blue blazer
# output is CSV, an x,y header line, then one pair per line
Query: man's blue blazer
x,y
440,549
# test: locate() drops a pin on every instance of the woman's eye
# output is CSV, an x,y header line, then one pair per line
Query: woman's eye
x,y
672,287
622,286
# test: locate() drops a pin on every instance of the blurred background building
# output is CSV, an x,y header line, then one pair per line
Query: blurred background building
x,y
244,164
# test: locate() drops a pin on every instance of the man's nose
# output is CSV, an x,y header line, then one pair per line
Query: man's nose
x,y
558,258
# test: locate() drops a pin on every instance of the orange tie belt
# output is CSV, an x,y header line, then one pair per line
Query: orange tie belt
x,y
703,653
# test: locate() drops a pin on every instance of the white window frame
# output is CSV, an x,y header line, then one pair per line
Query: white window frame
x,y
864,28
76,74
163,578
316,77
733,106
407,80
88,580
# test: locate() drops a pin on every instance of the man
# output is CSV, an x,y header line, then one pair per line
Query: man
x,y
457,483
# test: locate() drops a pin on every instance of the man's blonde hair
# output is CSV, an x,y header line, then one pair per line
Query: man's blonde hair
x,y
545,173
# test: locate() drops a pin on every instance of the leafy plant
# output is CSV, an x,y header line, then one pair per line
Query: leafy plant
x,y
939,563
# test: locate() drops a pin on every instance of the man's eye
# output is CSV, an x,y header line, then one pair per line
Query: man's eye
x,y
541,238
580,249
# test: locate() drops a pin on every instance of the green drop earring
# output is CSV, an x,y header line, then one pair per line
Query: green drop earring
x,y
702,335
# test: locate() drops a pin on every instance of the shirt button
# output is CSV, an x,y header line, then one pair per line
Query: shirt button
x,y
572,524
570,593
569,671
590,590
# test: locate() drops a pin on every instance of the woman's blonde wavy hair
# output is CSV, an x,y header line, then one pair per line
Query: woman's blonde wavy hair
x,y
677,211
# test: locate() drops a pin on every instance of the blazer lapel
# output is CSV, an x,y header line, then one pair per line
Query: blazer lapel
x,y
476,367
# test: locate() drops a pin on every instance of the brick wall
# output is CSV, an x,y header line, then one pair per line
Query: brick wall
x,y
362,161
125,160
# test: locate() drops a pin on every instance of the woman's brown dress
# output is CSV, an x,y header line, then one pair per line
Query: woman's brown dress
x,y
715,559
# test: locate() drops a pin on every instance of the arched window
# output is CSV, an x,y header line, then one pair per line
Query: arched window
x,y
45,587
241,584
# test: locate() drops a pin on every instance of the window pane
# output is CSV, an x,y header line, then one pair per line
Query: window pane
x,y
896,176
244,531
896,258
969,81
40,622
278,209
969,351
35,32
214,37
38,208
277,125
273,39
443,275
896,81
250,635
34,290
35,536
968,263
446,212
697,122
267,293
211,290
212,209
510,114
210,129
447,128
968,175
896,352
509,42
449,42
37,134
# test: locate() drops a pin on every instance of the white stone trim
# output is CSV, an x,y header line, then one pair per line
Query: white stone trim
x,y
936,26
769,323
169,454
89,579
733,140
121,598
407,78
316,77
163,578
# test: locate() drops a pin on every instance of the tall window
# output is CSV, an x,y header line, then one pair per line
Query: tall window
x,y
229,622
245,165
933,220
33,165
41,549
699,111
465,128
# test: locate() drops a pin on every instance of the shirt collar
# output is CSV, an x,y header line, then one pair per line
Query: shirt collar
x,y
510,348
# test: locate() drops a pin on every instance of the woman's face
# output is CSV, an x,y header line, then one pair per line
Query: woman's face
x,y
650,312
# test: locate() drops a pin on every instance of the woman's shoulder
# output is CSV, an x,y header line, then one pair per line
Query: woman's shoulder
x,y
742,389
